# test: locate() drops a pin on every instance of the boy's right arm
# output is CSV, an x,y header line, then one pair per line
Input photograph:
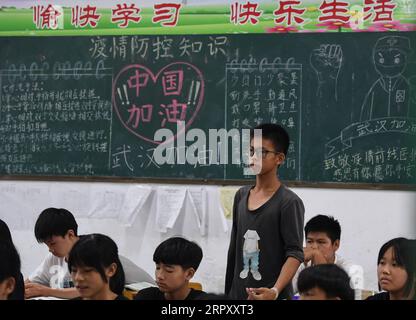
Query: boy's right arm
x,y
40,275
38,283
37,290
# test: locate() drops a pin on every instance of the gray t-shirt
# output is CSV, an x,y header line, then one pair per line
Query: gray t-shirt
x,y
262,240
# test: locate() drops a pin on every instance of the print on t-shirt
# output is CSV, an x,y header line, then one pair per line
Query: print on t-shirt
x,y
251,255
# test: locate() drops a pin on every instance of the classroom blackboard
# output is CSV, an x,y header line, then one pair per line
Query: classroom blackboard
x,y
95,106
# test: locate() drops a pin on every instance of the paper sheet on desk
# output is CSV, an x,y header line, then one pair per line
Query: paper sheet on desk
x,y
139,286
169,204
46,298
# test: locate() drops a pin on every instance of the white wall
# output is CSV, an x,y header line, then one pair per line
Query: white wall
x,y
368,219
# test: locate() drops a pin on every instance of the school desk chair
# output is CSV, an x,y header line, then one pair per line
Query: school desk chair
x,y
195,286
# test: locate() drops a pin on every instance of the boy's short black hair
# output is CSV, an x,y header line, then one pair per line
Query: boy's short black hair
x,y
5,235
98,251
178,251
9,261
329,278
54,222
327,224
275,133
404,252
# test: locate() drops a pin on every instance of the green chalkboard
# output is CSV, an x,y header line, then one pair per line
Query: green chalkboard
x,y
137,106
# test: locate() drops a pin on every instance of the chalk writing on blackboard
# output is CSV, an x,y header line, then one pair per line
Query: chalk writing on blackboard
x,y
44,123
264,91
357,154
146,100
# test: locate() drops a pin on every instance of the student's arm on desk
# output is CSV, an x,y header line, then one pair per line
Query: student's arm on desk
x,y
38,290
286,274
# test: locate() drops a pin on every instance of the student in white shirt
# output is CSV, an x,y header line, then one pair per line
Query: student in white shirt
x,y
57,229
323,235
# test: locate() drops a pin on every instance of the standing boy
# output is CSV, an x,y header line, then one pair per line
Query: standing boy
x,y
266,239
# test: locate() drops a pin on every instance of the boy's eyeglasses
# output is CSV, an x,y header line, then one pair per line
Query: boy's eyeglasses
x,y
261,152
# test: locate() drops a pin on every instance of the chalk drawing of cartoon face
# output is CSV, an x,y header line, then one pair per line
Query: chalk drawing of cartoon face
x,y
390,62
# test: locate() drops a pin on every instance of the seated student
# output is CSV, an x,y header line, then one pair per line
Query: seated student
x,y
396,270
177,260
96,269
325,282
323,235
58,229
19,288
9,270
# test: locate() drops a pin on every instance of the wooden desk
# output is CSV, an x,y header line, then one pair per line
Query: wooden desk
x,y
129,294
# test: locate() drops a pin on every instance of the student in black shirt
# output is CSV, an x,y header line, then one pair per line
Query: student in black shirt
x,y
177,260
96,269
267,234
9,270
18,292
